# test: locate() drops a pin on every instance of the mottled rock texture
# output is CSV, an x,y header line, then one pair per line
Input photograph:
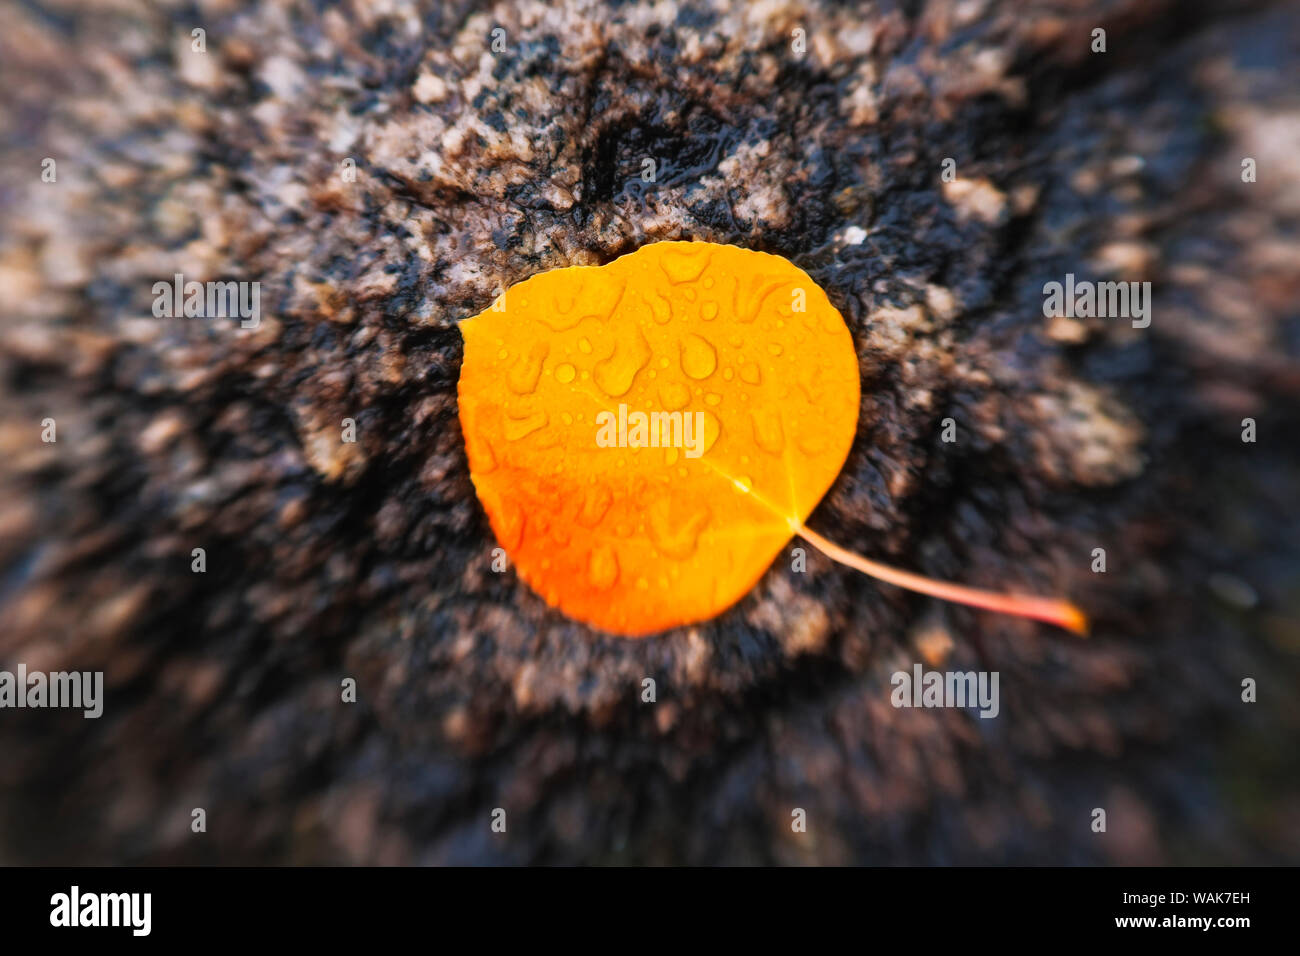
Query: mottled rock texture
x,y
476,169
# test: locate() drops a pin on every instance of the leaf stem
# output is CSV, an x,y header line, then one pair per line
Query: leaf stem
x,y
1053,611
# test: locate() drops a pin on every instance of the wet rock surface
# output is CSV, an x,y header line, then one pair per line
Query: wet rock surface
x,y
476,168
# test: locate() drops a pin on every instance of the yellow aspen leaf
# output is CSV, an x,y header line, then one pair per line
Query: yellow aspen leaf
x,y
646,436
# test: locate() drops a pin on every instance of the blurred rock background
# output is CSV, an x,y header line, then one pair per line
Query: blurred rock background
x,y
476,168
